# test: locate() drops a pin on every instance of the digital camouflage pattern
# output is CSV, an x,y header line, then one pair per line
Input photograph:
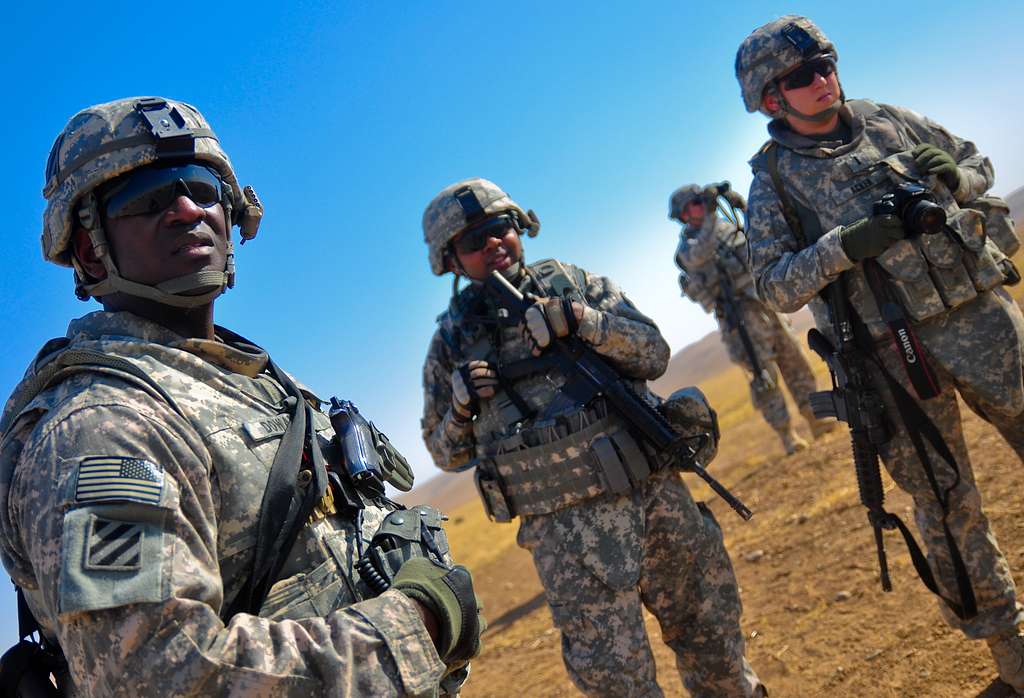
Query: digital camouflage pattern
x,y
71,173
149,624
766,55
444,217
680,197
719,247
601,560
973,336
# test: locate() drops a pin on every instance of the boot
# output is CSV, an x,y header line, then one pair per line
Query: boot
x,y
791,441
819,427
1008,651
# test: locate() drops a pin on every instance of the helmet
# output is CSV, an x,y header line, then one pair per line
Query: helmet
x,y
680,197
775,48
690,413
463,204
105,141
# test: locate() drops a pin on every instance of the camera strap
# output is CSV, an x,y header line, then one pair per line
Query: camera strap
x,y
911,351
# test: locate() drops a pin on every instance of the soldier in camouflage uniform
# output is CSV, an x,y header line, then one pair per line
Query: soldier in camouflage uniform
x,y
812,222
603,552
137,450
712,258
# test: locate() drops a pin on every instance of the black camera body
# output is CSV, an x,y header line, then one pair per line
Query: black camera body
x,y
915,206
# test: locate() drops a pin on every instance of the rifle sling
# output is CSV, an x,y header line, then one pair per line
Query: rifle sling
x,y
921,428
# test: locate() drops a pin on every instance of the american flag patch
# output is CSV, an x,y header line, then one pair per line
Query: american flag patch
x,y
114,545
102,478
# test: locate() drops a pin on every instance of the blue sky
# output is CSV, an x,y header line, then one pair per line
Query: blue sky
x,y
348,117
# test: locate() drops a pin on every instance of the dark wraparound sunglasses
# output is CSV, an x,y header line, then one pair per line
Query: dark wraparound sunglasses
x,y
475,239
152,190
803,75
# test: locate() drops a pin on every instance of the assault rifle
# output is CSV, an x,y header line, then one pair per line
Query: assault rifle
x,y
589,376
854,401
734,318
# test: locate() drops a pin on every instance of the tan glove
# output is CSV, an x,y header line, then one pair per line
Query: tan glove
x,y
550,318
470,382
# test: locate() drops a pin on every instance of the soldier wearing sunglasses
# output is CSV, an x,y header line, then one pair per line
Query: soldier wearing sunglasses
x,y
922,312
611,528
176,514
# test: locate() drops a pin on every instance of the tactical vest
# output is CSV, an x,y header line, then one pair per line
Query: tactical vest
x,y
929,274
538,452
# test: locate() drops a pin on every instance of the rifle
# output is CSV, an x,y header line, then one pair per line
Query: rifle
x,y
854,401
734,318
589,375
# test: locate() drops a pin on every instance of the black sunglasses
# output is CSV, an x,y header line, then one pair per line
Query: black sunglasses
x,y
803,75
152,190
475,239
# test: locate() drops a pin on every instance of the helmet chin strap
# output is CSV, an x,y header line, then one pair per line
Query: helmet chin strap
x,y
188,291
818,118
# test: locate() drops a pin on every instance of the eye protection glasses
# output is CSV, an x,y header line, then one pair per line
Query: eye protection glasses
x,y
149,191
803,75
475,239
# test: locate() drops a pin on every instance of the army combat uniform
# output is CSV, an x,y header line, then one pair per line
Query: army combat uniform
x,y
948,284
175,510
131,578
601,556
716,249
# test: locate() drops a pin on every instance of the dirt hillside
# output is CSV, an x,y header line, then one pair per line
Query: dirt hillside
x,y
816,620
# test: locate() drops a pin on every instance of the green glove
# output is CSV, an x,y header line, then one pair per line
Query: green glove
x,y
448,594
870,237
931,159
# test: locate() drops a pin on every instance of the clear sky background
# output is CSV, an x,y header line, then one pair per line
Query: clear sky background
x,y
348,117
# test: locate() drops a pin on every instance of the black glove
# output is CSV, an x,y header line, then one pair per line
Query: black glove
x,y
931,159
870,237
448,594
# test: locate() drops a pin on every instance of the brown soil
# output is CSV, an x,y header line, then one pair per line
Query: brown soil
x,y
815,617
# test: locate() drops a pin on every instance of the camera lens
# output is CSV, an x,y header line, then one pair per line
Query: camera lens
x,y
925,217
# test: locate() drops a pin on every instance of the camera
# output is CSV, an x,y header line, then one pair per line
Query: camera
x,y
915,206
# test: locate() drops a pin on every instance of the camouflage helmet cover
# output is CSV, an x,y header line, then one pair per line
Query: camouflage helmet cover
x,y
104,141
680,197
446,216
773,49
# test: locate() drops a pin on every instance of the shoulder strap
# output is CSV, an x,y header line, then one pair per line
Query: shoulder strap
x,y
771,160
286,505
555,279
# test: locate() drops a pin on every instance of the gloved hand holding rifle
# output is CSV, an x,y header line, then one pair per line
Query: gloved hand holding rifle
x,y
589,376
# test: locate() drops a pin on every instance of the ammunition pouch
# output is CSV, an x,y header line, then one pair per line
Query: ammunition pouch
x,y
932,274
538,471
999,227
